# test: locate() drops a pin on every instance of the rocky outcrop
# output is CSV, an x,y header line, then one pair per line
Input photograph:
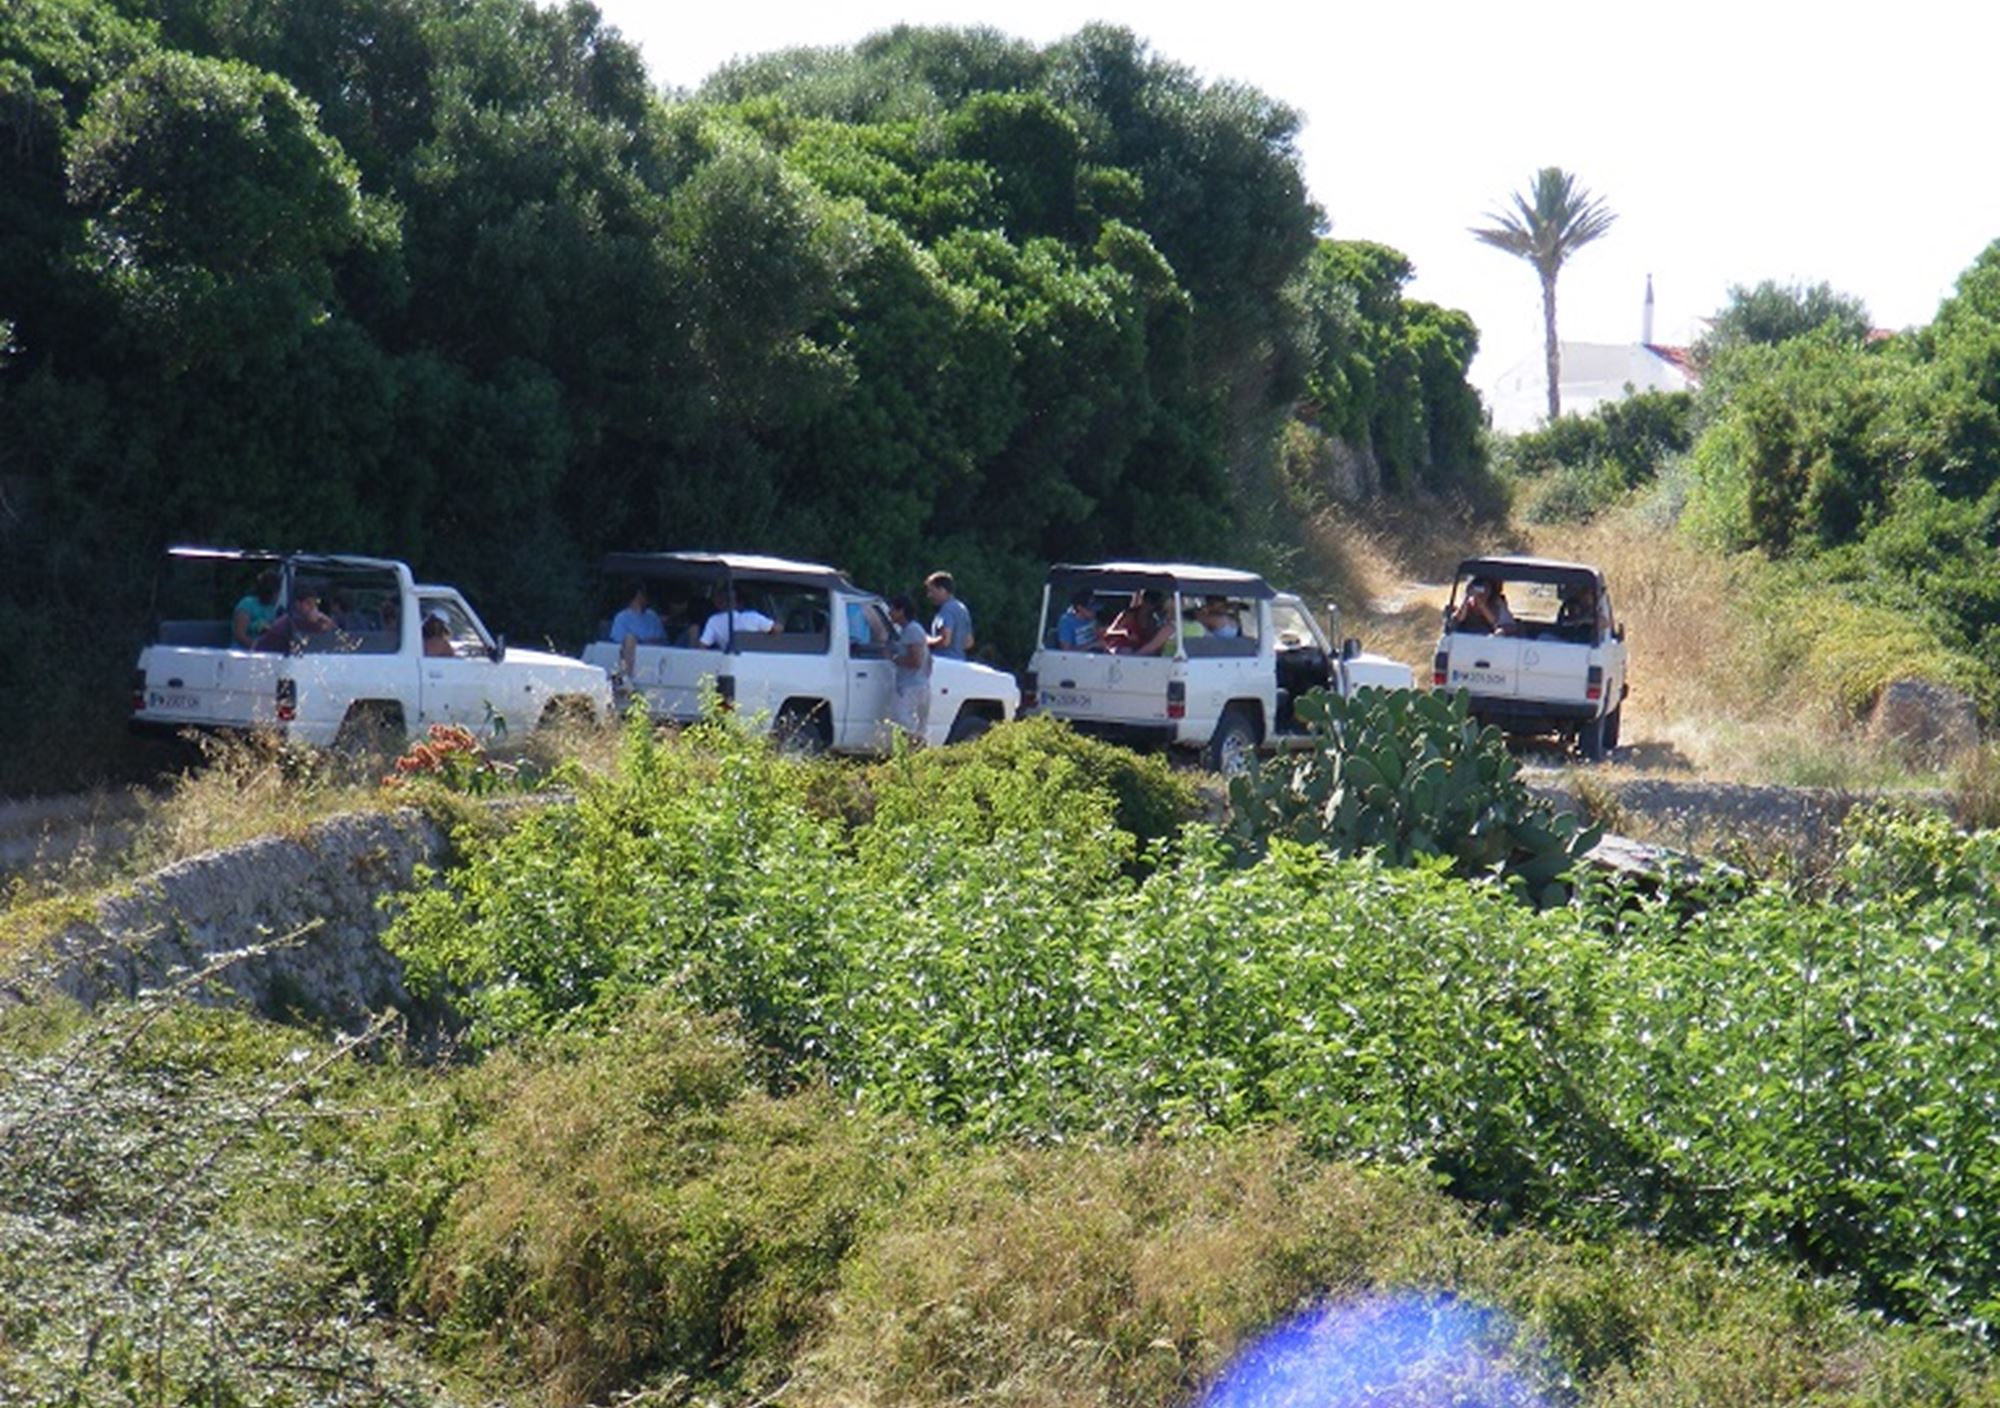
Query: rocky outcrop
x,y
1933,721
1353,474
290,926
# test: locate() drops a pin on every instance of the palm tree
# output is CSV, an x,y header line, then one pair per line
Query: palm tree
x,y
1561,219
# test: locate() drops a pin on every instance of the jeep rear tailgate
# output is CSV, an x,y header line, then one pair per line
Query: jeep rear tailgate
x,y
210,688
1486,665
1105,688
1555,671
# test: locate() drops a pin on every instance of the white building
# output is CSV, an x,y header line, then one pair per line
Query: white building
x,y
1592,373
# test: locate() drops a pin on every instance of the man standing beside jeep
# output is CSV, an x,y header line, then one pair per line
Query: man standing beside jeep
x,y
951,629
910,651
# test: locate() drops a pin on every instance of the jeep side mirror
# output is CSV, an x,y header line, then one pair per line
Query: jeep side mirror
x,y
1350,648
1618,631
499,650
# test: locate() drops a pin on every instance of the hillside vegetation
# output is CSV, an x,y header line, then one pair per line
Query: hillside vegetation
x,y
450,282
989,1072
1809,527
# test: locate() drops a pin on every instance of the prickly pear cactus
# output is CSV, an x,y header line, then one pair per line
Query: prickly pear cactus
x,y
1408,774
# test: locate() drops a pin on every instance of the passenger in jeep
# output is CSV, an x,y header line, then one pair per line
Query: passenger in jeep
x,y
1483,610
1579,606
287,634
1142,628
437,638
1214,617
1077,630
730,620
255,612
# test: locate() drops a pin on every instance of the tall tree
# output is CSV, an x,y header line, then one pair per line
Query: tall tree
x,y
1773,312
1546,228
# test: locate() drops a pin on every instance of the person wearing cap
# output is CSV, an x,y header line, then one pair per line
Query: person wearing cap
x,y
1077,629
287,634
437,637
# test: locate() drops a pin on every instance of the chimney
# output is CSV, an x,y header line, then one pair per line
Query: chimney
x,y
1646,327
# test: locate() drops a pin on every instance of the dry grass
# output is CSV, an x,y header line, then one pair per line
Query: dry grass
x,y
1718,689
1080,1276
1388,566
1044,1277
1723,685
240,788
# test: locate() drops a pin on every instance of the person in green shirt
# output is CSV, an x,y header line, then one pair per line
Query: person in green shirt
x,y
255,613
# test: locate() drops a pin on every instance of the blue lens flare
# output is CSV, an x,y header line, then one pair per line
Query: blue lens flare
x,y
1383,1352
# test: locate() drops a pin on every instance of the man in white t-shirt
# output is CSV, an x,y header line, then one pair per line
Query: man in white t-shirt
x,y
730,620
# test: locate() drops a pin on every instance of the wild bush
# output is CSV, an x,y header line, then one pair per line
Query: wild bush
x,y
152,1163
1572,493
1412,776
1571,471
1793,1074
1035,774
636,1209
1102,1274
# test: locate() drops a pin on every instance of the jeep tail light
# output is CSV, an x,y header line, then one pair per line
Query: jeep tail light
x,y
1439,668
1176,699
288,700
138,690
1031,691
725,690
1593,687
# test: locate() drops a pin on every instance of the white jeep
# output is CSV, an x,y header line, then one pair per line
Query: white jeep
x,y
367,679
802,651
1217,667
1537,647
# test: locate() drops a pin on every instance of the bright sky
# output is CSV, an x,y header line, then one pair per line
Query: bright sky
x,y
1736,141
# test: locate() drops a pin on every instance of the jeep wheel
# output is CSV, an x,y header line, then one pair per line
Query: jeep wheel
x,y
967,727
1233,750
1611,730
371,731
568,712
1590,740
800,730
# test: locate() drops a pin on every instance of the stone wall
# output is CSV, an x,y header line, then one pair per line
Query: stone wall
x,y
302,917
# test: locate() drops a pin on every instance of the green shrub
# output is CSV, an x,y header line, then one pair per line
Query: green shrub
x,y
1833,642
1410,776
1576,468
1572,493
1037,774
1794,1074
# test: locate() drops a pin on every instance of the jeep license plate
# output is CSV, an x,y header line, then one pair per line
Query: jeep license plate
x,y
1065,699
1479,677
156,699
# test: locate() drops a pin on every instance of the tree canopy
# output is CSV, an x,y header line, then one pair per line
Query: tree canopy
x,y
1876,461
447,280
1773,312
